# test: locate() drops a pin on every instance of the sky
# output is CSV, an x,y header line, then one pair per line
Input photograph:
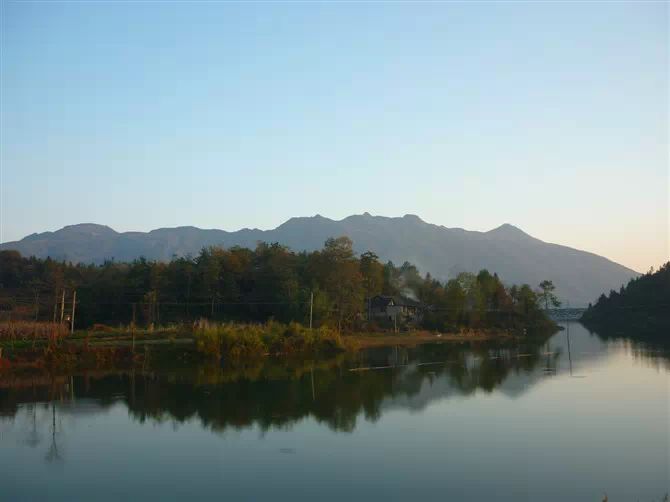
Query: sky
x,y
552,116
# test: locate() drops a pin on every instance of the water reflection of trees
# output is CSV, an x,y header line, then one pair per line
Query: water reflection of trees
x,y
652,348
273,394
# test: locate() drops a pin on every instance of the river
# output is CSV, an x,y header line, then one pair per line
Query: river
x,y
575,418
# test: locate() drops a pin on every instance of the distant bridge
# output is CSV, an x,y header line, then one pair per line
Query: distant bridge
x,y
566,314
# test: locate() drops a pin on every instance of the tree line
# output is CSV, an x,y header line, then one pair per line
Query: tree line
x,y
644,303
255,285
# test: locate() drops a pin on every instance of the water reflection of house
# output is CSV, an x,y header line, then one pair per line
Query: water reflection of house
x,y
395,309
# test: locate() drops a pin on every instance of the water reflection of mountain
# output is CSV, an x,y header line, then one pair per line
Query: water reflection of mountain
x,y
335,392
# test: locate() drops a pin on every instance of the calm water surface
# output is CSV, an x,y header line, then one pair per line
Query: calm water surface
x,y
557,421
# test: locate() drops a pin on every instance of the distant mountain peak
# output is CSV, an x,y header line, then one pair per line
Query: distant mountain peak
x,y
507,229
89,228
412,218
302,220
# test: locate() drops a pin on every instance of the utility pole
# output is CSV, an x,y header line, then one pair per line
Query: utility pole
x,y
74,303
569,354
132,328
37,305
62,307
154,309
311,307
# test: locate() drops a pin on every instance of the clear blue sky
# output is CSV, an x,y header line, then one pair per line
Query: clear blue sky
x,y
550,116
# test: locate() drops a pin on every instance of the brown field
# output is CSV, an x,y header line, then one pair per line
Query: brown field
x,y
30,330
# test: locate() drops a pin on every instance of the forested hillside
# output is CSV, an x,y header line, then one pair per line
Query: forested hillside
x,y
643,304
270,281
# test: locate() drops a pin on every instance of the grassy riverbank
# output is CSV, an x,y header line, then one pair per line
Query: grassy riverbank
x,y
50,346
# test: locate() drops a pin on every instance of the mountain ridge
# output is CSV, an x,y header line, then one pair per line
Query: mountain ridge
x,y
517,257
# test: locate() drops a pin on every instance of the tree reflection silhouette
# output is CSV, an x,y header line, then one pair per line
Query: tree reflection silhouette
x,y
53,455
277,393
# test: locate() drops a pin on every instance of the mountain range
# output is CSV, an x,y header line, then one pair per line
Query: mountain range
x,y
580,276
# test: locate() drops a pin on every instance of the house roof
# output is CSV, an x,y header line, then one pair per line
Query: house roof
x,y
382,301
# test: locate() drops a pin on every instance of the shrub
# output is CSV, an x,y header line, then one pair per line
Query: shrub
x,y
29,330
252,340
